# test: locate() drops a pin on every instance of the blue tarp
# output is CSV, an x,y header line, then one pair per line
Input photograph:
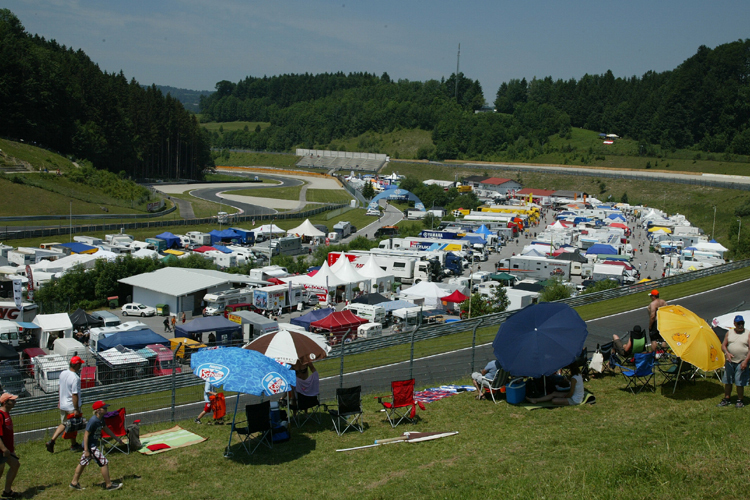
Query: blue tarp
x,y
76,247
483,230
27,326
599,248
172,240
226,234
221,248
314,315
218,324
474,240
616,216
392,305
132,340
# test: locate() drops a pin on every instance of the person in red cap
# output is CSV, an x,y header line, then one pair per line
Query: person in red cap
x,y
7,445
654,306
70,402
91,448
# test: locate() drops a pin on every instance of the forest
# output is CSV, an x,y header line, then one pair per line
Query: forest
x,y
702,104
56,97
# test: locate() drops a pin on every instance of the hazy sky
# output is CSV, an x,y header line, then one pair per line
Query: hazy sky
x,y
196,43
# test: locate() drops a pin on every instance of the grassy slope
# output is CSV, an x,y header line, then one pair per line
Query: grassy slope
x,y
283,193
328,195
38,157
258,159
232,126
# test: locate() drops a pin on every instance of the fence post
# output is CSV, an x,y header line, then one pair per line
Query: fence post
x,y
474,342
341,369
174,379
411,356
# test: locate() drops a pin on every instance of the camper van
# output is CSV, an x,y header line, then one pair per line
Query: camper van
x,y
370,331
372,313
9,332
198,239
217,301
47,370
108,318
67,348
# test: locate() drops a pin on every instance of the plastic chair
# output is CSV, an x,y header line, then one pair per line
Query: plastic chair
x,y
643,372
402,405
348,410
495,384
115,420
257,427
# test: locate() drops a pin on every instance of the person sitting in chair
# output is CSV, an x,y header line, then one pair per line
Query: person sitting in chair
x,y
488,372
308,386
626,351
570,398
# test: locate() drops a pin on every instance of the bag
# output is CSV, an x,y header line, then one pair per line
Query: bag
x,y
75,424
134,436
597,362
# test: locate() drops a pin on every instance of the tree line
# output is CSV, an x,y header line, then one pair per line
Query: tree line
x,y
58,98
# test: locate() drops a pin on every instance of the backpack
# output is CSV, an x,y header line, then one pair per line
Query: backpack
x,y
134,436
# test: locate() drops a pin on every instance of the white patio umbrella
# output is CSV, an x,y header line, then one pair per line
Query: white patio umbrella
x,y
291,347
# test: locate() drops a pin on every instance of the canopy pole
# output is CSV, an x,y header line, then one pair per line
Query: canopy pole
x,y
228,453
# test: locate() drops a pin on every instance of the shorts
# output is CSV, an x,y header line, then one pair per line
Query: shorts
x,y
734,375
207,407
64,415
96,455
477,377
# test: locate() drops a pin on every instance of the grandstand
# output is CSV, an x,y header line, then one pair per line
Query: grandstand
x,y
341,160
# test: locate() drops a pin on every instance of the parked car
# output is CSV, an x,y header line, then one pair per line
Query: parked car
x,y
373,211
136,309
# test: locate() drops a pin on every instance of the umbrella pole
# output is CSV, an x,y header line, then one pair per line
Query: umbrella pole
x,y
228,454
677,379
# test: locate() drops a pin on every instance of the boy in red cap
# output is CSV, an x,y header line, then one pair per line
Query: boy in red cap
x,y
7,445
70,402
91,448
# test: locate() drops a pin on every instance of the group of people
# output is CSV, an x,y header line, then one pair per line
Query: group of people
x,y
170,322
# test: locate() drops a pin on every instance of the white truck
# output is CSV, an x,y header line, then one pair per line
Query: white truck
x,y
9,332
373,313
119,239
344,228
198,238
273,298
217,301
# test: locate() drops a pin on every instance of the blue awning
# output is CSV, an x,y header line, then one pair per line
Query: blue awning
x,y
26,325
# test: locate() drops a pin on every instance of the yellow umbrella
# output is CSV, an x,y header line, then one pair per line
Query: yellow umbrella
x,y
690,337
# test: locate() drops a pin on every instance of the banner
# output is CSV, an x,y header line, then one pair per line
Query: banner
x,y
18,293
31,278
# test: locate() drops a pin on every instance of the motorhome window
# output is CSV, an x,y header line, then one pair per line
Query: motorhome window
x,y
399,264
53,375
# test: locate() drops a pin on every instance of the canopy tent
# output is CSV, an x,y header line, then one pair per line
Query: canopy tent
x,y
268,229
314,315
135,340
306,229
225,235
222,249
455,297
620,225
474,240
616,217
601,248
531,251
79,318
275,281
79,248
381,280
557,226
427,290
224,329
204,249
572,256
172,240
710,247
654,229
395,305
339,322
483,230
107,255
370,298
347,273
323,282
143,253
502,277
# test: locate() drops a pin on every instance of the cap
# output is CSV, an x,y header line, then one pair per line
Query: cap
x,y
99,404
654,293
739,319
76,360
6,396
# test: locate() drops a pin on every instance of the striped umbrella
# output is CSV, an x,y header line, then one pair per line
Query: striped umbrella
x,y
291,347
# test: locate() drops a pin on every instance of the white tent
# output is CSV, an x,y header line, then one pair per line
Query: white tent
x,y
306,229
111,256
55,326
267,229
710,247
140,254
381,280
535,250
430,292
557,226
347,273
324,281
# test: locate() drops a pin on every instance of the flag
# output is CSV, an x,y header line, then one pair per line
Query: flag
x,y
18,293
31,278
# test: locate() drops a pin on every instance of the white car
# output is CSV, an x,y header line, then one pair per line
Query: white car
x,y
136,309
373,211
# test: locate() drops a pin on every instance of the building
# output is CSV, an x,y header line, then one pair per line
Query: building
x,y
538,196
500,185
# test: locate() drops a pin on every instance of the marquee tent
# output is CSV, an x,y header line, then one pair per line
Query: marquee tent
x,y
381,280
172,240
219,325
268,229
314,315
132,340
601,248
79,318
306,229
225,235
427,290
339,322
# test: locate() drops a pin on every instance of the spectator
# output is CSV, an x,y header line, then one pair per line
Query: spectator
x,y
91,449
737,351
488,372
570,398
70,402
182,317
653,307
7,445
208,391
166,325
174,321
626,350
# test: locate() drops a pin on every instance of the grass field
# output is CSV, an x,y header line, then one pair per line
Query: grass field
x,y
226,177
38,157
328,195
232,126
282,193
402,143
259,160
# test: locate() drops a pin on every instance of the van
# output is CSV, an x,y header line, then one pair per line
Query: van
x,y
47,370
9,332
67,348
370,330
373,313
108,318
163,363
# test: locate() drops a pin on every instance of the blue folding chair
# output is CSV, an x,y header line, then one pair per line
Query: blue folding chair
x,y
642,375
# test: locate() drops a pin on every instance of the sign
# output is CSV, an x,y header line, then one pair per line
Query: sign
x,y
10,313
274,383
213,373
438,235
18,292
235,318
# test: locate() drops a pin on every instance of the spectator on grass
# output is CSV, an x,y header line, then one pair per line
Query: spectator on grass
x,y
626,350
69,402
488,372
91,448
7,444
208,391
570,398
737,352
653,307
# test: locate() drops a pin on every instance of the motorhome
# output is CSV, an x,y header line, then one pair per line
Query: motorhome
x,y
9,332
140,245
88,240
263,273
116,249
372,313
119,239
47,370
67,348
217,301
253,325
537,267
198,238
406,269
97,334
223,260
273,298
370,331
451,262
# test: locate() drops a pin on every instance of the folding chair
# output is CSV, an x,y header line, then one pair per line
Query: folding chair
x,y
495,384
348,410
402,405
302,404
115,420
582,361
257,427
643,372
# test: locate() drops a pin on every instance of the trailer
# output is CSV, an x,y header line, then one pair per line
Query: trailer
x,y
273,298
253,325
120,364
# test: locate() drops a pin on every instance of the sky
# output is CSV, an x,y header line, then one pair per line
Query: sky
x,y
194,44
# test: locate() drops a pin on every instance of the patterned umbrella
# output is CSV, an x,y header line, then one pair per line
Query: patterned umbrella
x,y
242,370
291,347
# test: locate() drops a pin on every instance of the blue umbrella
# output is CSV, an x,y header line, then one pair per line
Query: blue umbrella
x,y
540,339
242,371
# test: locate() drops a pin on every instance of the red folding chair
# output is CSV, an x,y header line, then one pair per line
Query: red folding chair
x,y
115,420
402,405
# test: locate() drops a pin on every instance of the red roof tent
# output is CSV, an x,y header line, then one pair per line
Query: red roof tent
x,y
338,323
275,281
535,192
495,181
204,248
455,297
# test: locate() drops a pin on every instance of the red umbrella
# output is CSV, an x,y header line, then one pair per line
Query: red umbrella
x,y
455,297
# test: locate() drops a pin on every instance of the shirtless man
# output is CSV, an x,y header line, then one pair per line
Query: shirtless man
x,y
654,306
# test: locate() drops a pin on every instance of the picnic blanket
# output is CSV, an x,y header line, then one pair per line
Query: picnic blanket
x,y
168,439
588,399
437,393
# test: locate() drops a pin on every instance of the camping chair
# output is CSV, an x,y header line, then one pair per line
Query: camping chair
x,y
642,373
669,367
257,427
348,410
115,420
402,405
495,384
582,361
302,404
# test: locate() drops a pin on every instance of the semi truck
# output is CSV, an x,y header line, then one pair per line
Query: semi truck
x,y
273,298
343,228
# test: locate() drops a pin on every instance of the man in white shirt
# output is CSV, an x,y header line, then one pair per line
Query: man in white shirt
x,y
70,402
